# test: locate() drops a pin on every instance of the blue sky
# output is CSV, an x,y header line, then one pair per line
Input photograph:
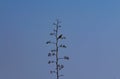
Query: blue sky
x,y
92,29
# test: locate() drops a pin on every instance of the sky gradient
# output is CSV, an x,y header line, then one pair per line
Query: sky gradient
x,y
92,28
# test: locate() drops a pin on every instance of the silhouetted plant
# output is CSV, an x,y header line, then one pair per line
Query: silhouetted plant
x,y
55,52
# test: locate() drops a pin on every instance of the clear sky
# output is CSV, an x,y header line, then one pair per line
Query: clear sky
x,y
92,28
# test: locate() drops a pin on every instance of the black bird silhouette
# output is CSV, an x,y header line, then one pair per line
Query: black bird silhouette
x,y
60,36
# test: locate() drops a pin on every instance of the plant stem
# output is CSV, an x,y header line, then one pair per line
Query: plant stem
x,y
57,70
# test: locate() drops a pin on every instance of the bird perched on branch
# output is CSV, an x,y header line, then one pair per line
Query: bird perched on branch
x,y
60,36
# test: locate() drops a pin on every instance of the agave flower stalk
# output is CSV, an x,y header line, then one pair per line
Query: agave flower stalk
x,y
55,52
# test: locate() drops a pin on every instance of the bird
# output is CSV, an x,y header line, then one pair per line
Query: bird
x,y
60,36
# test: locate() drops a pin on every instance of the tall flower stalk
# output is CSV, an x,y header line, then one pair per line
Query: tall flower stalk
x,y
55,52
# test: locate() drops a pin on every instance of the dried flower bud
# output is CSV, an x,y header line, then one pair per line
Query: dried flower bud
x,y
53,54
49,62
65,57
48,42
49,54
